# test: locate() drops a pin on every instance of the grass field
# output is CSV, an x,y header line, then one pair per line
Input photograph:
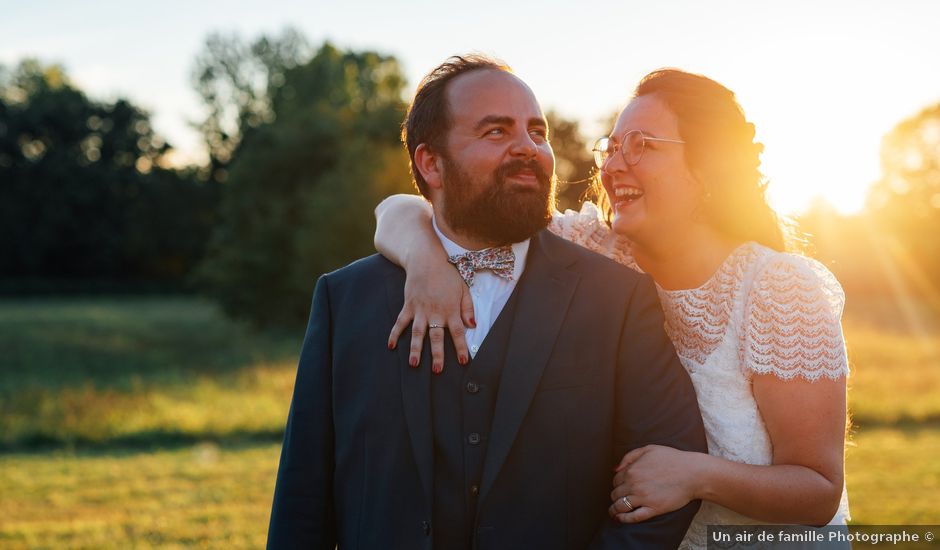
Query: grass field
x,y
155,423
106,372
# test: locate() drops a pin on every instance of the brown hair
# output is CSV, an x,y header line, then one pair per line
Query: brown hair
x,y
428,117
722,154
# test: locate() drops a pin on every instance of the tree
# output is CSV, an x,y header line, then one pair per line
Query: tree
x,y
302,188
81,184
236,82
574,165
909,188
905,202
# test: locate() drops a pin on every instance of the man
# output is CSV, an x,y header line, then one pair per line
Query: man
x,y
515,449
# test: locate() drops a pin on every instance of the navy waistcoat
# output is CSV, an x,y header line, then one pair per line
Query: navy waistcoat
x,y
463,399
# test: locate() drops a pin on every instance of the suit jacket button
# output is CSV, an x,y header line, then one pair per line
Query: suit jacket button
x,y
473,387
474,438
426,525
475,490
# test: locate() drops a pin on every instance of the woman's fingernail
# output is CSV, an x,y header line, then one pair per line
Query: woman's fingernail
x,y
473,323
462,359
391,346
436,369
413,362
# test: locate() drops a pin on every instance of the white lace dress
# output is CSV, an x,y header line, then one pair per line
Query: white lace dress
x,y
762,312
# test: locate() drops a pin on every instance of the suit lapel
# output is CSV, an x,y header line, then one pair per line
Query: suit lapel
x,y
415,393
545,290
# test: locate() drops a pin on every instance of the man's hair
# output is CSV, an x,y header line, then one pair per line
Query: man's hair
x,y
428,118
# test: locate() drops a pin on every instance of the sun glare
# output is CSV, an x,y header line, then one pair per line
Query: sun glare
x,y
818,150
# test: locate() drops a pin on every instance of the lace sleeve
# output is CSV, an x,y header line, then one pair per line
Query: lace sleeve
x,y
792,321
587,228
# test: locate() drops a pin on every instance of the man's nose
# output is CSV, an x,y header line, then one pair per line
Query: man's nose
x,y
524,146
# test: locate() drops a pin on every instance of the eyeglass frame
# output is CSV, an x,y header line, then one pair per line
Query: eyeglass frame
x,y
595,150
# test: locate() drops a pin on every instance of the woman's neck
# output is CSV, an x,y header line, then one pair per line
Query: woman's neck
x,y
686,262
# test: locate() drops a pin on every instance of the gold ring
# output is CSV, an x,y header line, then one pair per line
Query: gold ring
x,y
435,325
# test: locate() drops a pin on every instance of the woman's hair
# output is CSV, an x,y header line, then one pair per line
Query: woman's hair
x,y
722,154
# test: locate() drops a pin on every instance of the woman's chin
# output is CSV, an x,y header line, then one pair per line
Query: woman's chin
x,y
625,223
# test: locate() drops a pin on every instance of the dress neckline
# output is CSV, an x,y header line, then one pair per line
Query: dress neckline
x,y
728,267
697,318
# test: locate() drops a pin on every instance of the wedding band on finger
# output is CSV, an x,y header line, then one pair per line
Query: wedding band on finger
x,y
435,325
626,502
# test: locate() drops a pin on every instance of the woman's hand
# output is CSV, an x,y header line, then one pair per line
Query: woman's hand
x,y
655,480
435,294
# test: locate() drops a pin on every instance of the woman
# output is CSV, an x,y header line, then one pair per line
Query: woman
x,y
758,329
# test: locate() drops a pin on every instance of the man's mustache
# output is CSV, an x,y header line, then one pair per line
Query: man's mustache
x,y
513,167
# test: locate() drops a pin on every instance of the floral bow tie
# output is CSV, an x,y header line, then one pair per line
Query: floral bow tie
x,y
500,260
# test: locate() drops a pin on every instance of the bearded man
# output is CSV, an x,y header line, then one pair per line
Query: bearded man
x,y
511,445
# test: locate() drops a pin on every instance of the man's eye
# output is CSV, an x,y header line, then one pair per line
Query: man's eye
x,y
541,133
495,132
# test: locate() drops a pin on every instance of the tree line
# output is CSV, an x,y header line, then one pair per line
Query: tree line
x,y
302,143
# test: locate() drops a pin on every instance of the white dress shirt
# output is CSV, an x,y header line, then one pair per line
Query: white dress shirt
x,y
489,292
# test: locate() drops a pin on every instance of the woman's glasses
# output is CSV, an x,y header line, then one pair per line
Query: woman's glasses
x,y
631,147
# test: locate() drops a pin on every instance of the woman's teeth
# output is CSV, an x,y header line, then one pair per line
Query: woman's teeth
x,y
628,193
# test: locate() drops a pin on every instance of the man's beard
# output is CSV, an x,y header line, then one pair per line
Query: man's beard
x,y
497,212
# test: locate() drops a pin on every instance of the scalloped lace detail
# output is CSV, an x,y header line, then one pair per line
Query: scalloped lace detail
x,y
588,229
793,329
789,309
697,319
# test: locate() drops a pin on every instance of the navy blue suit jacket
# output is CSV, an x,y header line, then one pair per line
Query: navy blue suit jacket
x,y
589,375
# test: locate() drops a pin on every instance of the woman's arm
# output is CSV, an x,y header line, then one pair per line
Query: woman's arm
x,y
806,423
434,291
403,227
793,345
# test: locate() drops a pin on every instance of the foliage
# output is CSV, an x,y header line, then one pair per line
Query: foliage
x,y
910,159
83,195
905,203
236,82
573,162
302,187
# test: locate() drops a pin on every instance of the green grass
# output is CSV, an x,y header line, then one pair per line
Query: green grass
x,y
211,497
204,496
895,377
155,422
894,476
99,372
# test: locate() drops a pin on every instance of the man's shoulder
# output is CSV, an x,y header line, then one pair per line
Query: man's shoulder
x,y
368,270
591,263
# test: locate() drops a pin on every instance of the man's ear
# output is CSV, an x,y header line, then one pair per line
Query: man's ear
x,y
428,165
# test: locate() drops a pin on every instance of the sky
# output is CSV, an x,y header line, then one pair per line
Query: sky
x,y
822,80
